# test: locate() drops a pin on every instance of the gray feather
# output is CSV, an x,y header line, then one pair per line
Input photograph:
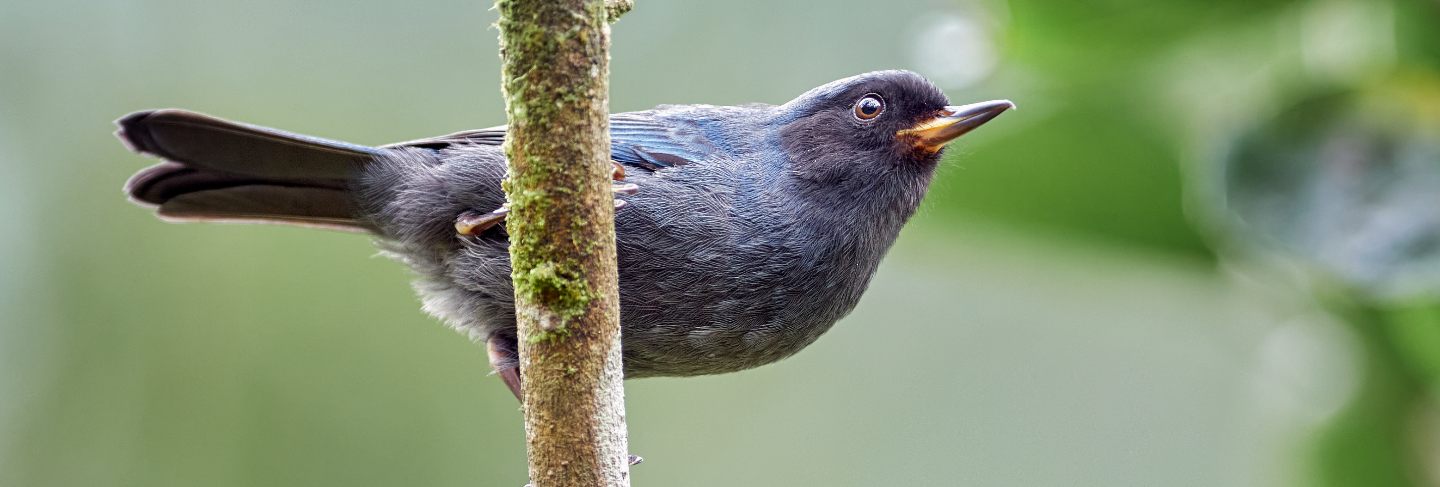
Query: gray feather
x,y
756,228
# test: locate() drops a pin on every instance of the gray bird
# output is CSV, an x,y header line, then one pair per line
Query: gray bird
x,y
753,230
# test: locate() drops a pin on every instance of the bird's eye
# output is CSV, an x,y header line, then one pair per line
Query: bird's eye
x,y
869,107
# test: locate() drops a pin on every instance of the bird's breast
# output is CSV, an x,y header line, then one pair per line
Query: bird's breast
x,y
723,298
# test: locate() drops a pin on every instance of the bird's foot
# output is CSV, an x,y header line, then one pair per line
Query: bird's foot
x,y
474,222
624,188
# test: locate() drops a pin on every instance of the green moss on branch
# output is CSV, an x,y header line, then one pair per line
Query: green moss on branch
x,y
615,8
562,242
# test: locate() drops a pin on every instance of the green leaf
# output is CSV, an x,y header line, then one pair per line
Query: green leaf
x,y
1348,182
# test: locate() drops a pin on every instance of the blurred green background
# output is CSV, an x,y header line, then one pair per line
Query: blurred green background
x,y
1203,252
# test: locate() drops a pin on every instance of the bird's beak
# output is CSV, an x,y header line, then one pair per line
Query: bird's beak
x,y
933,133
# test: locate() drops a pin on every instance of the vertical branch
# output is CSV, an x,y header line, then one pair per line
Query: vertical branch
x,y
562,239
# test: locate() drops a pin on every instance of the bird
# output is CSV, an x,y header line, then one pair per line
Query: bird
x,y
745,232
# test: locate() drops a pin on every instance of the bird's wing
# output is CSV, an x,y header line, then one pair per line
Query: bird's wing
x,y
654,144
636,140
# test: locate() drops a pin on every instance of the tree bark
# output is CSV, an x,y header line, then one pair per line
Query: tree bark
x,y
562,238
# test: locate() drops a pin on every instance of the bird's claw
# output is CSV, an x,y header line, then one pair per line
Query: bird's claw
x,y
624,188
474,222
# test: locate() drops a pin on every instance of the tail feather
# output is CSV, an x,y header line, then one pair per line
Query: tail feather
x,y
203,141
217,170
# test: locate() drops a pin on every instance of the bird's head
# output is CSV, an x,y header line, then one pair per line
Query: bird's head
x,y
868,127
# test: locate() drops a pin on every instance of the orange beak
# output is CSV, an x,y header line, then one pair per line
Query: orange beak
x,y
953,121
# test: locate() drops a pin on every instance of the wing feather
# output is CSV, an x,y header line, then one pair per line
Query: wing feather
x,y
636,139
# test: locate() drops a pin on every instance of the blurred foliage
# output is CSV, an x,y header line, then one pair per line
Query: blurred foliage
x,y
1349,182
1341,186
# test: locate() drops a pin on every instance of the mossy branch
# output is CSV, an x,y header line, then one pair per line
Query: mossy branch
x,y
555,78
615,8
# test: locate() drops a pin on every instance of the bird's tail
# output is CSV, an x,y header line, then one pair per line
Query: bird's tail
x,y
217,170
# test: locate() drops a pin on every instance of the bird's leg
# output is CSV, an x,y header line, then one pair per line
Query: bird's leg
x,y
618,174
473,222
505,359
624,188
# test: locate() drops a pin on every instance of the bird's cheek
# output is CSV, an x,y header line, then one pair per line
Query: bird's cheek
x,y
826,169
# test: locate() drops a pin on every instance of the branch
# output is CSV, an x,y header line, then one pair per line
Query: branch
x,y
562,238
615,8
